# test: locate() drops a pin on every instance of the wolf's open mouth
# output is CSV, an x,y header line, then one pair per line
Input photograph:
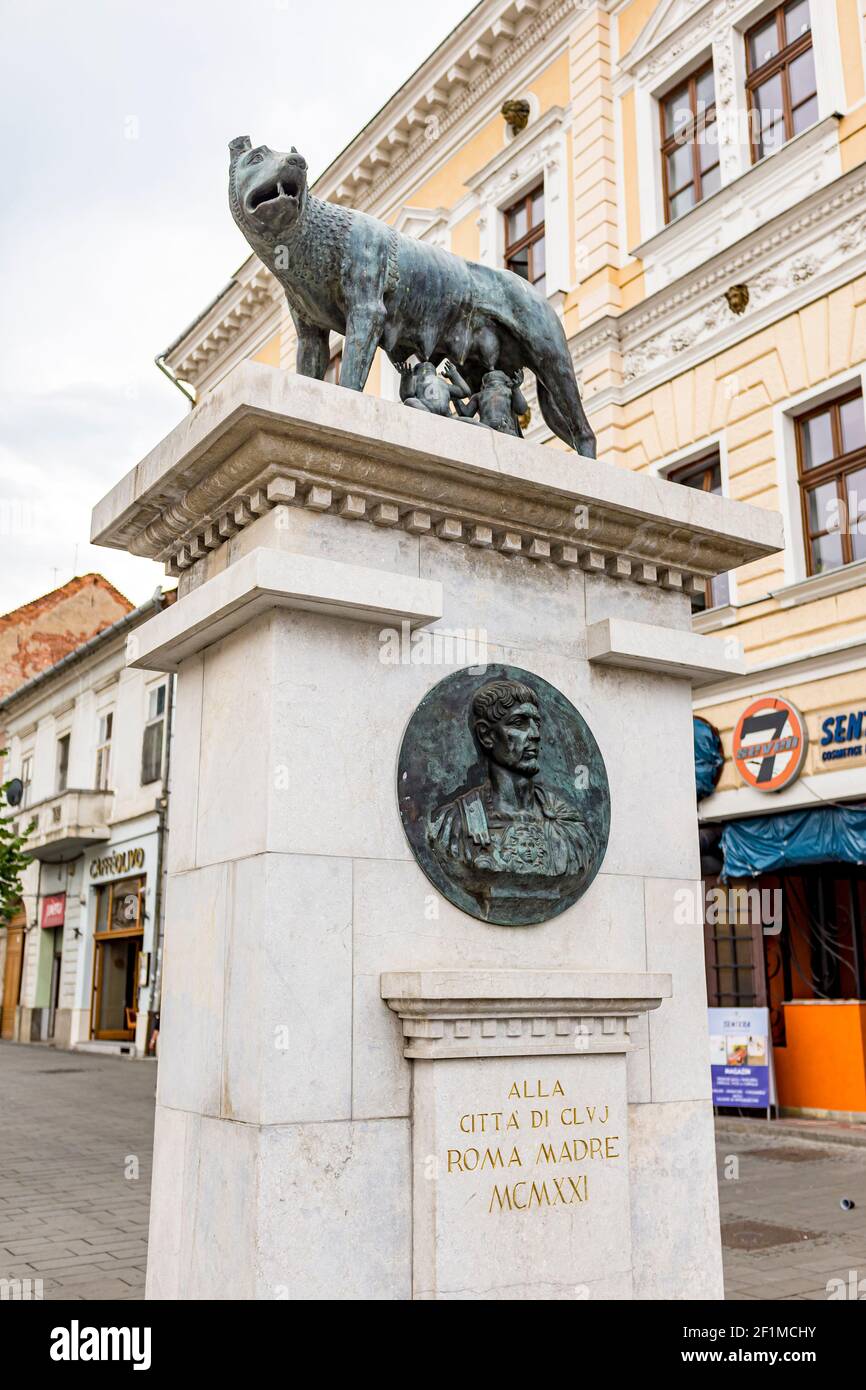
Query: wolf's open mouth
x,y
271,192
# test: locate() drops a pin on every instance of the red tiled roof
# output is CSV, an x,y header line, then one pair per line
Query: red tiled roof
x,y
39,633
50,600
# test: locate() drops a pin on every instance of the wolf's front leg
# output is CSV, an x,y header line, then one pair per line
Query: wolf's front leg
x,y
363,331
313,351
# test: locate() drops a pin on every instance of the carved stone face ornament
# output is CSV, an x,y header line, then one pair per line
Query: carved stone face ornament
x,y
519,835
516,112
738,298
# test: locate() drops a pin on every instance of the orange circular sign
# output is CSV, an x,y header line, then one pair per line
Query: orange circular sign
x,y
770,743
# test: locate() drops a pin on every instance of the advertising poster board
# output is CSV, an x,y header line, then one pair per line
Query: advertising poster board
x,y
740,1062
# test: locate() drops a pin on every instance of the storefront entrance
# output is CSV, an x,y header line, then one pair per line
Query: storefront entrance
x,y
118,938
795,943
12,975
54,987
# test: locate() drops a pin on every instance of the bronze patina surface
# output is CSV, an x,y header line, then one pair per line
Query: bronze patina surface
x,y
503,795
347,272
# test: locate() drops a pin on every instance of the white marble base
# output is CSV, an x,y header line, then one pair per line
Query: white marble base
x,y
304,1122
520,1128
535,1206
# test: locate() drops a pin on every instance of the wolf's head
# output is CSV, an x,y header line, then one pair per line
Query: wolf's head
x,y
267,190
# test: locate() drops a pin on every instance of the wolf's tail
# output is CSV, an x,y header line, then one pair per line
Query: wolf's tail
x,y
547,355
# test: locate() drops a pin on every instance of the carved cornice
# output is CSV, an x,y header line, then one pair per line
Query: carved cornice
x,y
453,82
265,438
248,300
518,1013
450,85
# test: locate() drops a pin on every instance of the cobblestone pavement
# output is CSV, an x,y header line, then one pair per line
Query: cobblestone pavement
x,y
71,1122
784,1234
72,1125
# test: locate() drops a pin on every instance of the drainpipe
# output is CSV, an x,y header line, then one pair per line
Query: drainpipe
x,y
161,857
160,358
174,378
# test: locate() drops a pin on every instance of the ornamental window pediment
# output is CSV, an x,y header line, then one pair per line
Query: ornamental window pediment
x,y
425,224
530,169
717,155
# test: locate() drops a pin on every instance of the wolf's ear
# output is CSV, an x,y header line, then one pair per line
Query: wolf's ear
x,y
294,149
239,145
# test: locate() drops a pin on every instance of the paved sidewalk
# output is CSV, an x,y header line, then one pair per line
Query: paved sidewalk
x,y
784,1234
70,1124
73,1125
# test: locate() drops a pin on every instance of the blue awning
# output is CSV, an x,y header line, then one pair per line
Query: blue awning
x,y
823,835
708,756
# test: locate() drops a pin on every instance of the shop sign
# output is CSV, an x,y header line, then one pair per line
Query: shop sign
x,y
770,743
118,864
54,910
740,1057
843,735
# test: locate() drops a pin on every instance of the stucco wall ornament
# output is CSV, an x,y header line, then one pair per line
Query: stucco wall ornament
x,y
349,273
516,113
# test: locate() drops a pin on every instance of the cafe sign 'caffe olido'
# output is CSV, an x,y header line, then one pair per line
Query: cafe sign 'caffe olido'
x,y
118,863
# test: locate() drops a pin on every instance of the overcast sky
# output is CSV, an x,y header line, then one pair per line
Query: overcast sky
x,y
115,226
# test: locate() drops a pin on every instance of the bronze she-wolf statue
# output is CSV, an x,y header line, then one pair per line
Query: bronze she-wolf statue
x,y
346,272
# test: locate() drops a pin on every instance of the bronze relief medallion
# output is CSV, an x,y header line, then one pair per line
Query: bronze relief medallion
x,y
503,795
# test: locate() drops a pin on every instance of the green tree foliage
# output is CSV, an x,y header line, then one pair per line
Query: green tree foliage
x,y
13,859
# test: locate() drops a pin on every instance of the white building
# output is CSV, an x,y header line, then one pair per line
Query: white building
x,y
89,740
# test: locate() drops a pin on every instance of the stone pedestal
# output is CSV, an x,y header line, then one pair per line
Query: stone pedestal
x,y
333,1029
520,1129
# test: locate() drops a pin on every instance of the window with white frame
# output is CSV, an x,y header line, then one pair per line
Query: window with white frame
x,y
831,468
525,249
63,762
777,73
705,474
689,143
781,81
153,741
523,205
102,779
26,778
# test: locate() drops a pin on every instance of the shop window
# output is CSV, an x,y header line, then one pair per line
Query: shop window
x,y
821,951
781,85
118,936
706,476
831,465
690,147
62,762
154,736
103,752
524,239
26,778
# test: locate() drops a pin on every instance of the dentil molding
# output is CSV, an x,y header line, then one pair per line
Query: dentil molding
x,y
448,1014
265,438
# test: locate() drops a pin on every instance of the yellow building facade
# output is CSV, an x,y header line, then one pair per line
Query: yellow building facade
x,y
686,183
